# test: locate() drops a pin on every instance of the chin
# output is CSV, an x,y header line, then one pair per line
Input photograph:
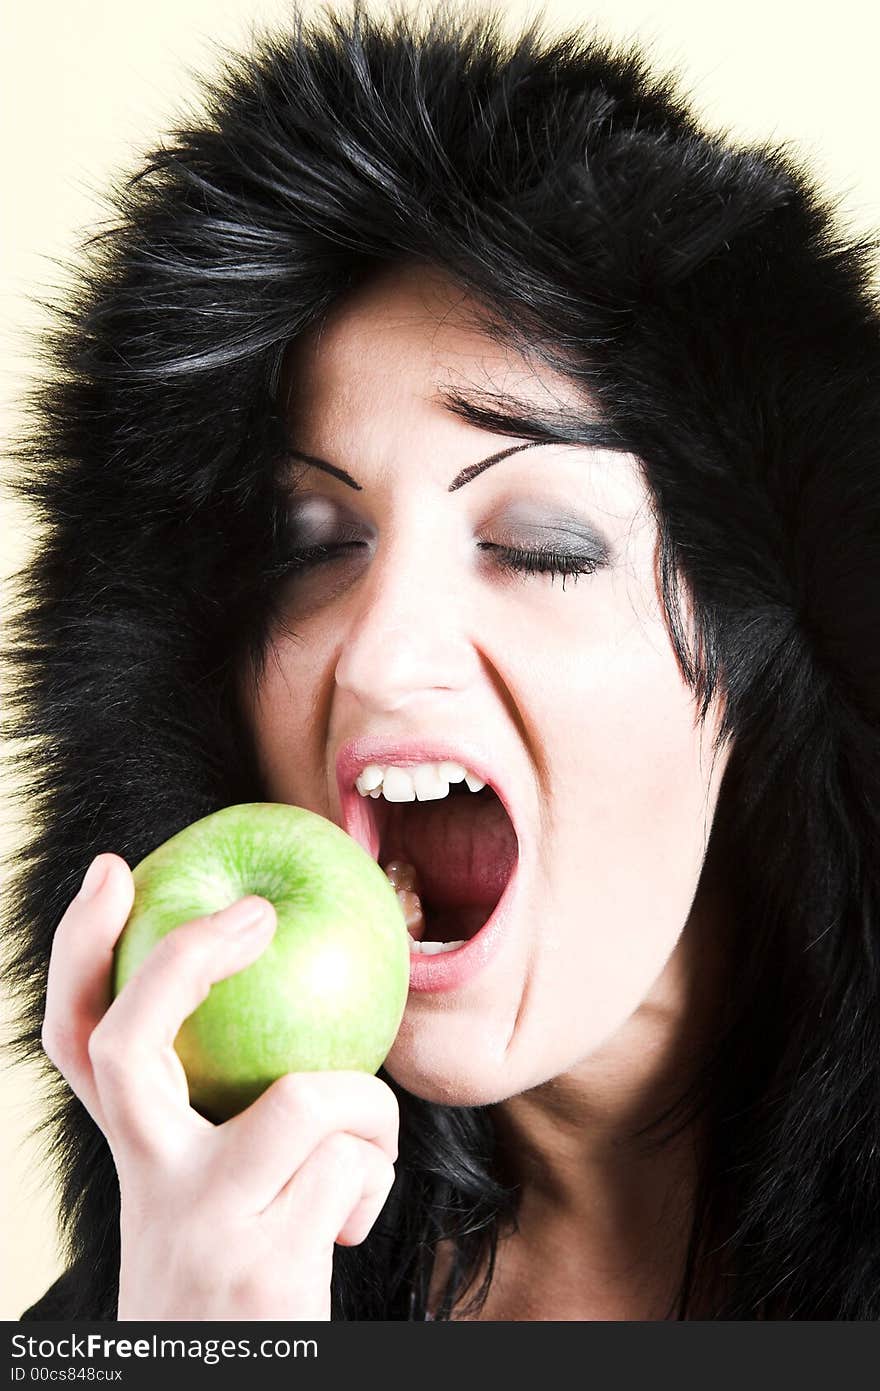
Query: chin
x,y
448,1091
445,1076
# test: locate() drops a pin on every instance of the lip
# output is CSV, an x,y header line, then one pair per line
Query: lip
x,y
445,970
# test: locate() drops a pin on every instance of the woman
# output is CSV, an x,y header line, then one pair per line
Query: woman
x,y
440,401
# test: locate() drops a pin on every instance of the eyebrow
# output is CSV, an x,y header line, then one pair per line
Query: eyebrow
x,y
566,428
472,470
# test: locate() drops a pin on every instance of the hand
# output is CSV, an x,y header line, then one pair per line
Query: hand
x,y
232,1221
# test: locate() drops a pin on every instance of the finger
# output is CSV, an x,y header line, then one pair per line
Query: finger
x,y
262,1147
137,1073
377,1184
336,1194
79,984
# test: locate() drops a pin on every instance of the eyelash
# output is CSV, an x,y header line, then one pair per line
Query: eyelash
x,y
547,562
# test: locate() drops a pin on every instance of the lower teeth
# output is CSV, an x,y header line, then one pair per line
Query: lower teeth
x,y
432,948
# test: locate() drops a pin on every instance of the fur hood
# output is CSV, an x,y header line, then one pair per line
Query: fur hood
x,y
700,290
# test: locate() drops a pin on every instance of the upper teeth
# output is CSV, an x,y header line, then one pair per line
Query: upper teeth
x,y
426,782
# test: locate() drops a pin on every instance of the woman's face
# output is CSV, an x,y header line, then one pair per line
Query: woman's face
x,y
570,690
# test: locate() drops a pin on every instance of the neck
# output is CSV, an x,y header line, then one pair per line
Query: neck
x,y
608,1214
602,1206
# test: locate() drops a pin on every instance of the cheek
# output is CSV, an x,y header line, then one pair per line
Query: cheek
x,y
287,727
626,819
627,768
636,781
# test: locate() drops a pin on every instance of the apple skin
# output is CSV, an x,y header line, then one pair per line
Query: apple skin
x,y
330,988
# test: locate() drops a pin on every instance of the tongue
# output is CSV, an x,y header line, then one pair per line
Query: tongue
x,y
464,849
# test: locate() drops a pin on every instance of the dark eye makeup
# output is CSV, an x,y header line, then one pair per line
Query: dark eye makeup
x,y
543,561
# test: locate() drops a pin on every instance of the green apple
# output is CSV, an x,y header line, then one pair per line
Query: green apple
x,y
329,990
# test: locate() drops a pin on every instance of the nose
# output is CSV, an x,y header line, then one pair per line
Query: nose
x,y
405,636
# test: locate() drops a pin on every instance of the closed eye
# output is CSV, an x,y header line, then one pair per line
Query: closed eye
x,y
542,562
307,556
538,562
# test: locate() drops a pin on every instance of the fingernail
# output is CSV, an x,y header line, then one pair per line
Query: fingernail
x,y
242,916
95,877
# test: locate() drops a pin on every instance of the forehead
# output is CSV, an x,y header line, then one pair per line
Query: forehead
x,y
419,330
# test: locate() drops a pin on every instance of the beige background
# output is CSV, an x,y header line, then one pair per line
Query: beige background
x,y
87,84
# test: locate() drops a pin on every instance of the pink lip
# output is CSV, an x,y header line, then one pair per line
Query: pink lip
x,y
446,970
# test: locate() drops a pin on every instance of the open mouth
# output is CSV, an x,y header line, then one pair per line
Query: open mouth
x,y
462,849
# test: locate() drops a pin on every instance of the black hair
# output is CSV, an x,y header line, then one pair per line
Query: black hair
x,y
705,297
